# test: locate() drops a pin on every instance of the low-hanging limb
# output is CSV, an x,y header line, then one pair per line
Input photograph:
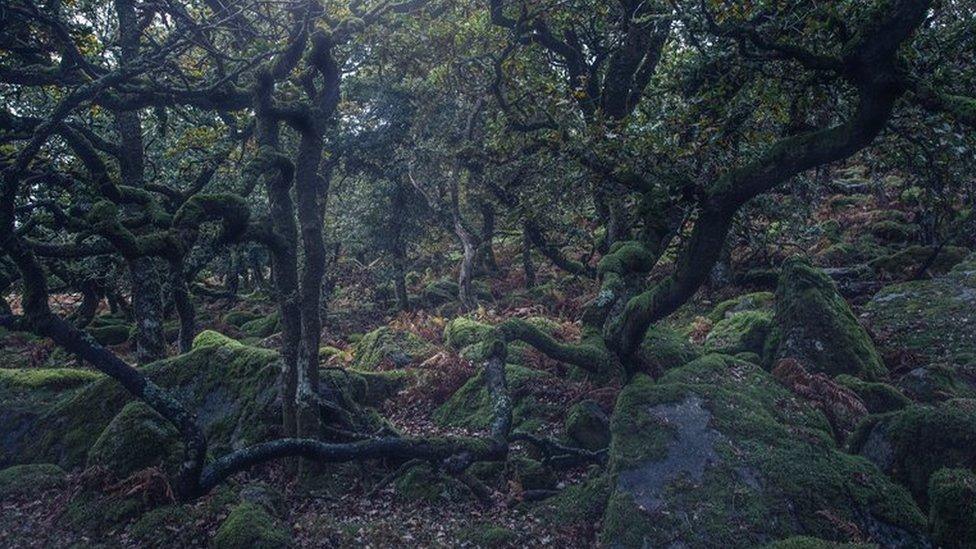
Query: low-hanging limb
x,y
590,354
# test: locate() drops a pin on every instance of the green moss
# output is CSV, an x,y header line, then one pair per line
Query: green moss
x,y
239,318
383,348
663,348
106,320
842,253
747,356
470,406
721,441
587,425
248,526
913,443
137,438
29,479
326,352
831,230
423,483
581,503
740,332
462,332
952,507
211,338
517,351
162,527
440,291
906,262
806,542
813,323
95,513
232,388
877,397
889,230
532,474
381,386
626,257
261,327
924,317
849,201
45,378
112,334
488,535
938,382
757,301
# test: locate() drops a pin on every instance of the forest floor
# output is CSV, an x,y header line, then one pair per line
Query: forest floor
x,y
363,513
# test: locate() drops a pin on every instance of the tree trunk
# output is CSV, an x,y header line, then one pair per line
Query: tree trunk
x,y
185,309
90,298
487,251
311,189
147,309
527,265
147,297
400,280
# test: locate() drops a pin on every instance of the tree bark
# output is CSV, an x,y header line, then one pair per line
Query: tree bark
x,y
527,265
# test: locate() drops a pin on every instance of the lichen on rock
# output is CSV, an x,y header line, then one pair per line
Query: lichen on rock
x,y
721,441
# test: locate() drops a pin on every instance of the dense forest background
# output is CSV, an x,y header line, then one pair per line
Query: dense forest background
x,y
640,273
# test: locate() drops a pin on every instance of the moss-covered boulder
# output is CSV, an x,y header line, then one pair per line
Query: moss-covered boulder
x,y
877,397
231,388
906,262
137,438
939,382
815,325
892,231
578,504
531,474
266,496
384,348
239,318
25,395
928,319
265,326
462,332
249,526
743,332
446,290
756,301
721,441
15,379
29,479
423,483
952,508
470,406
588,425
440,291
663,348
913,443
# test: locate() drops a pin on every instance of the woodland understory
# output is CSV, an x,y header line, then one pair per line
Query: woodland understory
x,y
448,273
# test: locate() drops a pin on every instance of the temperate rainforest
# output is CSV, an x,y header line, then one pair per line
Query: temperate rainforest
x,y
678,274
